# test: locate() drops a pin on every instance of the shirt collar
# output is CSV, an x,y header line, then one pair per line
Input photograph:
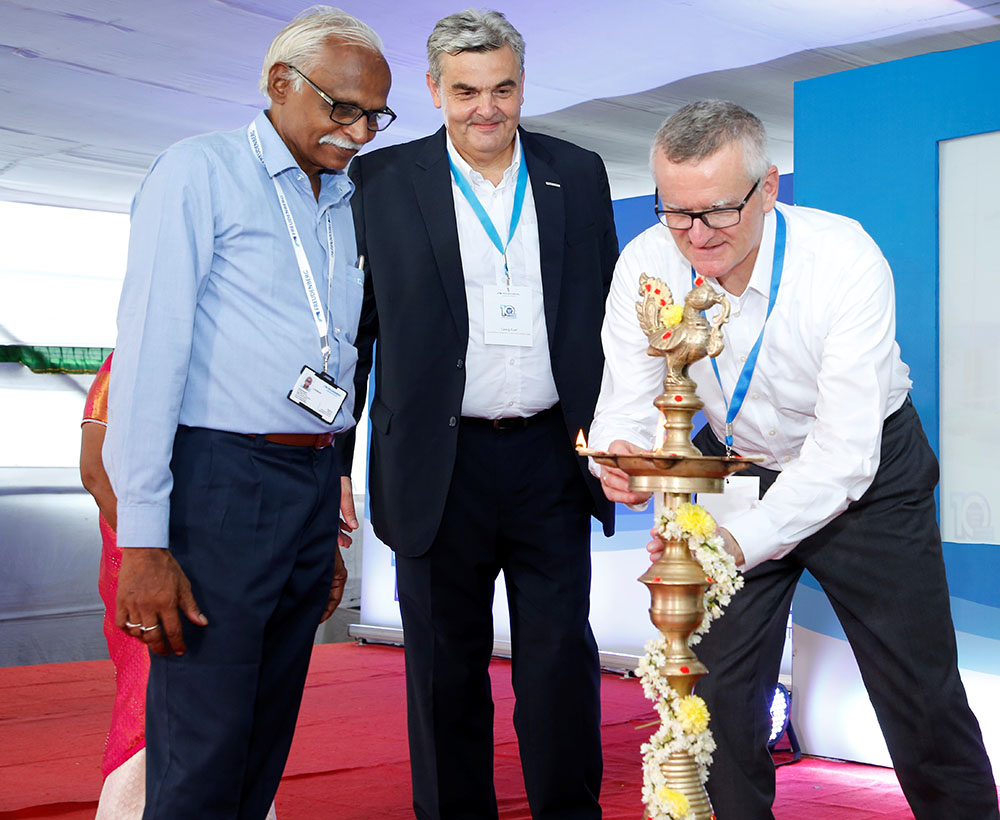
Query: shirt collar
x,y
334,185
760,279
277,157
472,174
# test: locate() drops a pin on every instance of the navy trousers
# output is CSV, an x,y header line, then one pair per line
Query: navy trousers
x,y
254,526
517,502
881,566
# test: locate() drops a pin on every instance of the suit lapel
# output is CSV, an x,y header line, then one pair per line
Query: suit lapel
x,y
551,212
432,184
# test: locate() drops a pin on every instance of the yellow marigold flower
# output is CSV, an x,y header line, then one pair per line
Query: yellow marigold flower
x,y
677,804
671,315
695,519
693,714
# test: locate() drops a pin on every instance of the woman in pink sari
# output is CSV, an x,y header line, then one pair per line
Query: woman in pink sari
x,y
123,796
124,762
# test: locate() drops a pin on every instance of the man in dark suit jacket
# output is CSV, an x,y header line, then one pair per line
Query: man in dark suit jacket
x,y
488,363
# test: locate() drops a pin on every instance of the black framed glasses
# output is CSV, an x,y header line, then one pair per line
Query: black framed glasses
x,y
345,113
714,218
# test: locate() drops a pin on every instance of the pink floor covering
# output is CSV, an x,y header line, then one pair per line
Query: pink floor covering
x,y
349,757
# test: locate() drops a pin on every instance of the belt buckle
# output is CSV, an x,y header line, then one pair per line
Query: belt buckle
x,y
510,423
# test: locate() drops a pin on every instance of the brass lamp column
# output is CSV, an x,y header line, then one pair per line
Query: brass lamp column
x,y
672,473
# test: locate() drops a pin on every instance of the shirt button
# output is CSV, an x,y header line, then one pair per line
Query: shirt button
x,y
736,314
459,364
772,432
510,404
756,396
512,361
786,459
452,422
743,358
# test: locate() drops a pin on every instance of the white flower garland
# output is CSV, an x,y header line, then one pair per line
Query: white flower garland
x,y
683,720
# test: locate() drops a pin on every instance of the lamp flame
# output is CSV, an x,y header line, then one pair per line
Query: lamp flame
x,y
581,440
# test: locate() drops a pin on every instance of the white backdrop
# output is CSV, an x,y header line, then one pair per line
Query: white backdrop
x,y
969,334
619,604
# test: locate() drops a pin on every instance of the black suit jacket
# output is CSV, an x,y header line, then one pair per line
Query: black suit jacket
x,y
415,304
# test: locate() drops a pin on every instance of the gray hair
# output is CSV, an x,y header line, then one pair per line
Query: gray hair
x,y
300,42
471,30
700,129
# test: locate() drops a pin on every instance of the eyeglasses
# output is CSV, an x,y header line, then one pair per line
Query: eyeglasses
x,y
344,113
714,218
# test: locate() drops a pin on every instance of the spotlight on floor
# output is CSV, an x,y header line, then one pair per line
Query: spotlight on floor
x,y
781,710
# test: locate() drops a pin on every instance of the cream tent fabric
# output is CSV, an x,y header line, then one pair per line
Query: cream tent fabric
x,y
92,90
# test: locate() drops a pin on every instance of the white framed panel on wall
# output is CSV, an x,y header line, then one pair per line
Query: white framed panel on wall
x,y
969,335
969,332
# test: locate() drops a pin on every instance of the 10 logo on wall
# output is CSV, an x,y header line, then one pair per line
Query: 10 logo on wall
x,y
971,519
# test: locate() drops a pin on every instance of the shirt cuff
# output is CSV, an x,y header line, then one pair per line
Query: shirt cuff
x,y
143,525
755,535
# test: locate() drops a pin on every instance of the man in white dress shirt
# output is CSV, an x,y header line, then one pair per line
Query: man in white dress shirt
x,y
490,251
847,483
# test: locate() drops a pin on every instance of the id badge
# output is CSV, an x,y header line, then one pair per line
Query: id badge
x,y
507,317
740,492
317,393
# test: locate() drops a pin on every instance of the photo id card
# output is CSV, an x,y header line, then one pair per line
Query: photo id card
x,y
507,315
317,393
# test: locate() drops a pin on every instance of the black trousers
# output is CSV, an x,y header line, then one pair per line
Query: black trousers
x,y
881,566
517,503
254,526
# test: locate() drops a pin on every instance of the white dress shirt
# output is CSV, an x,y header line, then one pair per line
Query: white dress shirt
x,y
828,374
501,380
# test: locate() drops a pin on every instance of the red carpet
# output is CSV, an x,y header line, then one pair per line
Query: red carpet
x,y
349,758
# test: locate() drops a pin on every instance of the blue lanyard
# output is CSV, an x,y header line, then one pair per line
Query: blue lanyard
x,y
484,218
743,383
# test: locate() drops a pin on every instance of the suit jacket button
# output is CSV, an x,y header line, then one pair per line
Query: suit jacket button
x,y
460,364
452,422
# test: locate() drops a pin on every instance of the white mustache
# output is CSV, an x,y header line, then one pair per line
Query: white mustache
x,y
340,142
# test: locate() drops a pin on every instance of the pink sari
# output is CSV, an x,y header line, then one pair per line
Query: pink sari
x,y
124,792
129,655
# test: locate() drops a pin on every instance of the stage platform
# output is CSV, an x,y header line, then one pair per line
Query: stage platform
x,y
349,757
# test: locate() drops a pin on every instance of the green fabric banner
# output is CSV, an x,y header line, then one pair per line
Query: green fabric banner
x,y
75,360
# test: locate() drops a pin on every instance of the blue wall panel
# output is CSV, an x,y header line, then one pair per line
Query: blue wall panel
x,y
866,145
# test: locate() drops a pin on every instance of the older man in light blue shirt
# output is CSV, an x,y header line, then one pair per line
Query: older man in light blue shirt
x,y
237,328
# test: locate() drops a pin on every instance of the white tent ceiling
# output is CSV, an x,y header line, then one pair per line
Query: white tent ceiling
x,y
91,91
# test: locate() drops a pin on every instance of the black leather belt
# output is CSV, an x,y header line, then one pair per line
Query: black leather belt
x,y
510,422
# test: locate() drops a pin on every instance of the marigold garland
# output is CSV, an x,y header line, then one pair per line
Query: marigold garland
x,y
683,720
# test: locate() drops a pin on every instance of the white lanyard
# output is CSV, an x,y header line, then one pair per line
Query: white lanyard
x,y
308,282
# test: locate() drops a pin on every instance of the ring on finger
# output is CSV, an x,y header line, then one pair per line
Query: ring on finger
x,y
149,628
130,625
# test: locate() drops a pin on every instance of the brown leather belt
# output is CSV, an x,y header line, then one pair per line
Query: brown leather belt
x,y
317,441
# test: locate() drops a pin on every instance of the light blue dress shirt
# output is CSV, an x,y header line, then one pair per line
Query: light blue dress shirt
x,y
214,324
